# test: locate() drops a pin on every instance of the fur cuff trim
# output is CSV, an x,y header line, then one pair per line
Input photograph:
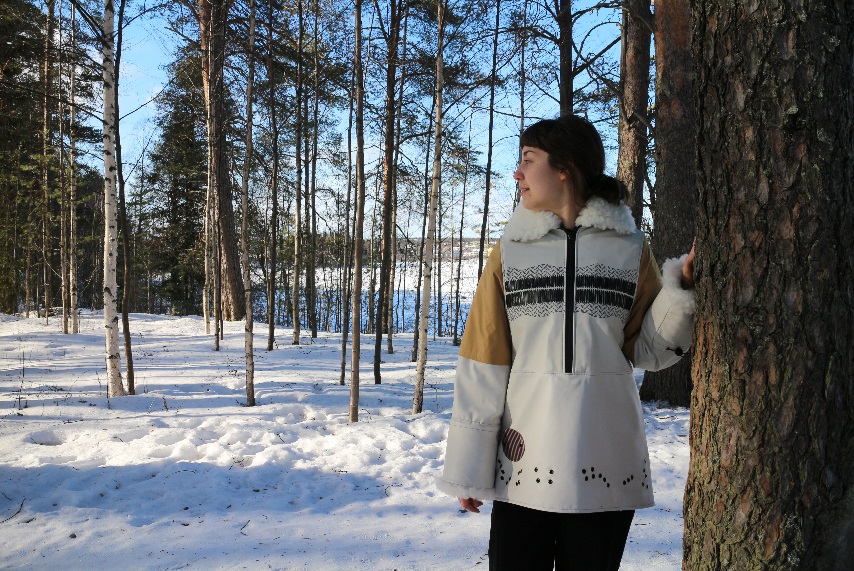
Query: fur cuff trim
x,y
458,491
671,277
525,225
599,213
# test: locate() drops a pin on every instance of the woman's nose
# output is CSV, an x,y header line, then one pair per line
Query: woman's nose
x,y
517,175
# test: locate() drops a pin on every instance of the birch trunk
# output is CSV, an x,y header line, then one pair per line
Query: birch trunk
x,y
111,320
418,400
244,246
358,233
345,301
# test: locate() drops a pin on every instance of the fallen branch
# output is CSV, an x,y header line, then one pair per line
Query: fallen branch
x,y
16,513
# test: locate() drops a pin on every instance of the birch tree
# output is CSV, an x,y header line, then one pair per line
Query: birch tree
x,y
111,320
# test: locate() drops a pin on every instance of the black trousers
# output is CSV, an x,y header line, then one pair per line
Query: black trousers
x,y
528,539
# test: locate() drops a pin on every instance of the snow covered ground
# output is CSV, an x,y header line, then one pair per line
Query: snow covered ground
x,y
183,476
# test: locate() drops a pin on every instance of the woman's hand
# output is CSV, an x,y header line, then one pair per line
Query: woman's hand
x,y
688,269
470,504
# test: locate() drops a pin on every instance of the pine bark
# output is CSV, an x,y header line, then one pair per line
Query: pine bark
x,y
295,301
771,477
675,171
418,398
395,10
358,231
111,328
634,72
244,227
72,199
566,71
272,252
47,64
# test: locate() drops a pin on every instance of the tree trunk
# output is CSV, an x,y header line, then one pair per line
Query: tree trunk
x,y
358,232
123,218
244,244
72,200
345,301
114,375
675,172
488,183
311,274
272,252
634,77
295,303
566,73
47,271
393,37
771,478
63,212
213,16
418,399
427,189
457,340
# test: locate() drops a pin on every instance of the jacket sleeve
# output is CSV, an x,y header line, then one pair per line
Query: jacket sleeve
x,y
658,332
480,387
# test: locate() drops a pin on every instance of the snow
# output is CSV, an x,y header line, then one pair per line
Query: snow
x,y
182,476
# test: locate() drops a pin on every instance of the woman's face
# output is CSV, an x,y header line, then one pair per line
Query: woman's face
x,y
542,186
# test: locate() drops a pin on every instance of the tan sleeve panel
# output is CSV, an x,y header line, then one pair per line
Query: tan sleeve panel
x,y
486,337
649,284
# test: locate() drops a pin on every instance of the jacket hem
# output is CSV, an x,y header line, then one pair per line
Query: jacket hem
x,y
576,510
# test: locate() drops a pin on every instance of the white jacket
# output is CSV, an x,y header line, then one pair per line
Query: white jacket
x,y
546,411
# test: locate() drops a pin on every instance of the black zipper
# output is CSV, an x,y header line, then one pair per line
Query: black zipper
x,y
569,298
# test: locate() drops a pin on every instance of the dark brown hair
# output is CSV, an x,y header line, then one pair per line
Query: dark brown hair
x,y
574,145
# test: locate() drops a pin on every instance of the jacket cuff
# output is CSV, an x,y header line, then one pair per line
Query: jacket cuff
x,y
460,491
470,460
671,278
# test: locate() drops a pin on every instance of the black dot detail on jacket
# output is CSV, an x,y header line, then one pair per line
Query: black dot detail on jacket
x,y
536,469
551,471
513,445
586,478
550,481
538,480
583,471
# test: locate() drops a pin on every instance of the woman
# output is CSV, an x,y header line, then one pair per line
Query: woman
x,y
546,418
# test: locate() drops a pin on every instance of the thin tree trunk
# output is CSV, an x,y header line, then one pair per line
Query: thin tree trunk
x,y
295,304
114,375
418,399
72,202
634,77
123,219
46,129
244,244
566,71
771,478
312,273
488,183
358,234
427,188
345,322
63,212
393,39
272,253
457,339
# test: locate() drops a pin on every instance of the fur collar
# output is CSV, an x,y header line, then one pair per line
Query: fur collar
x,y
526,225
